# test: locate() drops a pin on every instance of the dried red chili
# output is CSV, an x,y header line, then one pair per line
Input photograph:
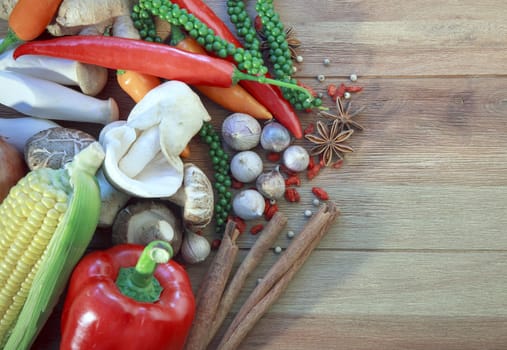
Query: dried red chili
x,y
292,195
273,156
255,229
240,223
338,164
287,171
311,173
236,184
270,211
320,193
309,129
293,180
215,244
354,88
311,164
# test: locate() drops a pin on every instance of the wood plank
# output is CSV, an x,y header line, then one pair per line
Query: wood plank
x,y
382,300
388,300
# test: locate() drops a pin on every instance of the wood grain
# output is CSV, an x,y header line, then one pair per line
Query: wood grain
x,y
417,259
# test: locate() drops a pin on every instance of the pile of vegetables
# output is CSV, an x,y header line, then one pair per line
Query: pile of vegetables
x,y
134,178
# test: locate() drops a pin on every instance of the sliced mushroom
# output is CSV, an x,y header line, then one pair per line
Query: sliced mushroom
x,y
145,221
195,197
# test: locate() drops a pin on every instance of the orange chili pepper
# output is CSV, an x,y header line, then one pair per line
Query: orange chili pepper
x,y
234,98
136,84
28,20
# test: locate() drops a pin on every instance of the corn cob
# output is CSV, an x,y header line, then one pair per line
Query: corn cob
x,y
46,223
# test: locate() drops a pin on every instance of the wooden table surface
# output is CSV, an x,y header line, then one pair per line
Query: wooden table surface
x,y
418,258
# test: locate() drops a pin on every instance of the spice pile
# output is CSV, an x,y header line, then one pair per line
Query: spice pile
x,y
158,205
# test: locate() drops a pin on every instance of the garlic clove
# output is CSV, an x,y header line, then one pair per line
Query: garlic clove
x,y
271,184
296,158
248,204
241,131
246,166
275,137
195,248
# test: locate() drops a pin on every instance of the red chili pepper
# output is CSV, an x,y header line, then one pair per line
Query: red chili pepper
x,y
293,180
146,57
234,98
121,298
255,229
207,16
270,96
320,193
292,195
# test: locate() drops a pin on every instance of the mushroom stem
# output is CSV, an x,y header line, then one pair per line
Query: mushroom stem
x,y
112,200
45,99
89,78
141,152
161,230
18,130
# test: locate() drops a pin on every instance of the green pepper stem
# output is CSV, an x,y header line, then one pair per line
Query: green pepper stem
x,y
138,282
238,75
156,252
10,39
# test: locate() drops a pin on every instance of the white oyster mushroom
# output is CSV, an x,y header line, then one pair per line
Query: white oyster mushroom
x,y
179,113
143,153
158,178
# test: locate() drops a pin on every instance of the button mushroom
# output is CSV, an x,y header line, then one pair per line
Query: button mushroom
x,y
195,197
145,221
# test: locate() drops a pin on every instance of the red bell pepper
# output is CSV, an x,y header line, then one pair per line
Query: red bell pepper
x,y
128,297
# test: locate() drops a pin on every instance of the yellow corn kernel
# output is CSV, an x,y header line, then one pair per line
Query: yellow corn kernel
x,y
28,219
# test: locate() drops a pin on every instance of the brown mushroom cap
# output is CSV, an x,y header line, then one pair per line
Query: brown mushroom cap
x,y
54,147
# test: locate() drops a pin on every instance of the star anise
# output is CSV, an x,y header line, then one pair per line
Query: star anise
x,y
290,36
330,141
344,116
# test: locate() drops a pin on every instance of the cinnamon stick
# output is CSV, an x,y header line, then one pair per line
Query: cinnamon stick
x,y
211,289
279,276
265,240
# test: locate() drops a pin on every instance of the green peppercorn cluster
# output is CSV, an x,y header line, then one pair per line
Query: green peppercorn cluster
x,y
144,23
280,55
220,161
244,25
245,59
